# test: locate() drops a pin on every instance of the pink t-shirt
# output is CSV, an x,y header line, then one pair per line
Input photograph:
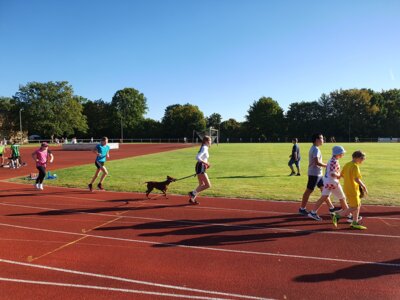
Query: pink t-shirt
x,y
42,156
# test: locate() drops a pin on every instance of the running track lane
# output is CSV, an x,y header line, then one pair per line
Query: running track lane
x,y
224,248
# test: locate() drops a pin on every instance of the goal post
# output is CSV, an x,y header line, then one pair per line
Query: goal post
x,y
211,132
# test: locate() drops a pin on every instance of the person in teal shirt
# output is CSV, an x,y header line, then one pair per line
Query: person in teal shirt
x,y
102,151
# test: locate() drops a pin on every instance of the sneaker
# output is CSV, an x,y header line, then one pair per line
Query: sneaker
x,y
335,219
314,216
36,185
100,187
298,174
303,211
355,225
334,209
191,195
350,219
90,186
193,201
41,187
291,174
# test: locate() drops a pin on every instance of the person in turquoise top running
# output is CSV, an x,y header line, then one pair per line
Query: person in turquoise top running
x,y
102,150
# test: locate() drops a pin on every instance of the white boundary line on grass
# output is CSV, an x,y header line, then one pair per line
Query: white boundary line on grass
x,y
205,248
218,224
122,279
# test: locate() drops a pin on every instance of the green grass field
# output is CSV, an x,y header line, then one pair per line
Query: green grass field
x,y
245,171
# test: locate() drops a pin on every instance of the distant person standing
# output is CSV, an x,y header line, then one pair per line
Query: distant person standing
x,y
295,158
3,153
315,178
102,151
42,156
201,167
15,155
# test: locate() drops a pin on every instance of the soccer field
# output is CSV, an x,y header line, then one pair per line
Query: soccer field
x,y
257,171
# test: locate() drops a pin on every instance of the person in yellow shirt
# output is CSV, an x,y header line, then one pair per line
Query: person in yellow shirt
x,y
352,185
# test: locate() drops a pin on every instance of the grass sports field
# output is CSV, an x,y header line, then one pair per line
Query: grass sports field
x,y
245,171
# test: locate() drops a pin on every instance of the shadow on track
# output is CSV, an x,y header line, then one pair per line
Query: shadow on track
x,y
357,272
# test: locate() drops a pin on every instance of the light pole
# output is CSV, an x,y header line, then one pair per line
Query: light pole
x,y
122,131
20,120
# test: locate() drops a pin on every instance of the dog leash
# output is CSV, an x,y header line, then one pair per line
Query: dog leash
x,y
186,177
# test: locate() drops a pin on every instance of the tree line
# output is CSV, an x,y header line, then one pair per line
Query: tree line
x,y
51,109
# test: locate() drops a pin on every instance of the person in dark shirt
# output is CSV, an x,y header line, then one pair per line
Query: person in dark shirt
x,y
295,158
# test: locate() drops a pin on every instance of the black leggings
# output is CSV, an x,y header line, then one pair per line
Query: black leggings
x,y
42,174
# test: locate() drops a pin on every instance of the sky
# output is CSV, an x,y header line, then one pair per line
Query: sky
x,y
221,55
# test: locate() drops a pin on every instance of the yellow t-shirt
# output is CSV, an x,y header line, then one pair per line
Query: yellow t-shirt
x,y
350,172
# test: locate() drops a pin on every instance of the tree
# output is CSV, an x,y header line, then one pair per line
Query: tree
x,y
8,116
303,119
390,113
214,120
148,128
51,108
99,118
230,129
129,107
353,109
265,119
181,120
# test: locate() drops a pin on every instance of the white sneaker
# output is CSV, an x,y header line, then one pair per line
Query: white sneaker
x,y
41,187
350,219
36,185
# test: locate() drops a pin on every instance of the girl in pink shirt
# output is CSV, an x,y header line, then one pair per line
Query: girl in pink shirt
x,y
41,156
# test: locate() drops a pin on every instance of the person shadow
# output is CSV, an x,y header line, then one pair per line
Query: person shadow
x,y
357,272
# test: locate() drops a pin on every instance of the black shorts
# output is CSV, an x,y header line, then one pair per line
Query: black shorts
x,y
99,164
1,154
315,181
292,161
200,168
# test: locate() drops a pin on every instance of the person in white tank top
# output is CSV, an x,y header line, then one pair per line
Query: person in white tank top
x,y
202,165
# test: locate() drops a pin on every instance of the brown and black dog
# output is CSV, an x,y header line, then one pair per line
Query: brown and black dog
x,y
162,186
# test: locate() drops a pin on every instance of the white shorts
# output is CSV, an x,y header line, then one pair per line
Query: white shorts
x,y
335,189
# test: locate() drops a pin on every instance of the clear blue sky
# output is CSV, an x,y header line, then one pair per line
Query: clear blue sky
x,y
219,55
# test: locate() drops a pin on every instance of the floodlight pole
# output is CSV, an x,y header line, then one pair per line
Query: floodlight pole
x,y
20,120
122,131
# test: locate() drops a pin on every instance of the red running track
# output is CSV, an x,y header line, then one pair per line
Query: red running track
x,y
69,243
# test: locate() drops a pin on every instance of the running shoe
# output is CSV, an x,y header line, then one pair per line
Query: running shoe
x,y
350,219
90,186
335,219
334,209
303,211
292,174
298,174
193,201
192,198
36,185
356,225
41,187
314,216
100,187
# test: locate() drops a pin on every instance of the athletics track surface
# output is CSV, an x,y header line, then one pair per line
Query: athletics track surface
x,y
69,243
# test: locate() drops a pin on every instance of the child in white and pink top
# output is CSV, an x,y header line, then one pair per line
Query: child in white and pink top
x,y
41,156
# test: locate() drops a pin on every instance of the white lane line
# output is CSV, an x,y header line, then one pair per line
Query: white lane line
x,y
104,288
122,279
206,248
220,224
150,203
